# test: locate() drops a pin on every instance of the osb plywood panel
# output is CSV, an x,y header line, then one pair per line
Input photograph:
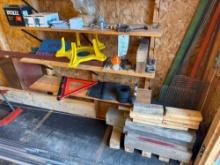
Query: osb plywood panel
x,y
17,40
174,16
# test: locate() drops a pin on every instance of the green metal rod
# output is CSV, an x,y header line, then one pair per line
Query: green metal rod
x,y
186,41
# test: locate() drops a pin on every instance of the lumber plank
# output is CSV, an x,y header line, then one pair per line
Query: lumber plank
x,y
115,139
184,125
158,148
147,117
76,107
98,69
184,114
153,109
164,125
186,136
151,32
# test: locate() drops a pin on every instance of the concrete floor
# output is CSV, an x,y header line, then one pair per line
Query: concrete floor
x,y
70,139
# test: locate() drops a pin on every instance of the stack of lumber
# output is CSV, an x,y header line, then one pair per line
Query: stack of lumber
x,y
167,132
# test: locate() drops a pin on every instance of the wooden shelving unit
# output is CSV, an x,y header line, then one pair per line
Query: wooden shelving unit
x,y
51,84
151,32
86,67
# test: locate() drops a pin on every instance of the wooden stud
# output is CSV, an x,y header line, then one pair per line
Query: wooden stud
x,y
151,32
115,140
129,149
146,154
164,159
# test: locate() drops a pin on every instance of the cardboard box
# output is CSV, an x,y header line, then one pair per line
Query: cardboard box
x,y
41,19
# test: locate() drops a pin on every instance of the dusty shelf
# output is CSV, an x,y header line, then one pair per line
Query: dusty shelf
x,y
51,84
151,32
86,67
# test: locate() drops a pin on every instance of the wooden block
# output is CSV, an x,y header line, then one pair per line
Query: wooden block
x,y
191,126
143,96
175,144
164,159
115,118
153,109
164,125
146,117
141,57
115,140
185,136
183,114
146,154
129,149
158,149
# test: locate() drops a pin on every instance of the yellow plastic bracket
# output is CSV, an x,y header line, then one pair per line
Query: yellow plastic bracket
x,y
76,48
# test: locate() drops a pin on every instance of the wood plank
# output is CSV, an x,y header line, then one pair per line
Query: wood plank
x,y
186,136
115,139
163,125
86,67
153,109
181,124
151,32
164,159
146,154
146,117
81,108
184,146
157,148
51,84
183,114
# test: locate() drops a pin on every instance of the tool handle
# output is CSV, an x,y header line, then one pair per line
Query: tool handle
x,y
6,100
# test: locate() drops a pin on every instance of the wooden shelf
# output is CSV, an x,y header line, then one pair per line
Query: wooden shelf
x,y
99,69
51,84
151,32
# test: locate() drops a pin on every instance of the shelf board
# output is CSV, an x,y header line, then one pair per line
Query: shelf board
x,y
51,84
151,32
99,69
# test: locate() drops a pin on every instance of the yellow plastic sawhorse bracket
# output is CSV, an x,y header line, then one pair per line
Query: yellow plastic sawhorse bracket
x,y
93,51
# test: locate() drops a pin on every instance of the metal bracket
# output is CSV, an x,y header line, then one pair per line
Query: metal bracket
x,y
30,34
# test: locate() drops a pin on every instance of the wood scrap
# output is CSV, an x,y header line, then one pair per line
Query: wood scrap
x,y
164,125
173,117
153,109
141,57
115,139
184,114
186,136
155,147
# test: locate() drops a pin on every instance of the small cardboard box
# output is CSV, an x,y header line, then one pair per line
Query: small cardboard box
x,y
41,19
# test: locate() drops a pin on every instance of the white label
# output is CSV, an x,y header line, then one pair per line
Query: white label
x,y
11,12
123,44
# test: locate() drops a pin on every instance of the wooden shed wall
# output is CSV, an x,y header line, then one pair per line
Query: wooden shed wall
x,y
171,15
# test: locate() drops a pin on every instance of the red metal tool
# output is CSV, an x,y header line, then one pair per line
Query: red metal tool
x,y
15,112
66,88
